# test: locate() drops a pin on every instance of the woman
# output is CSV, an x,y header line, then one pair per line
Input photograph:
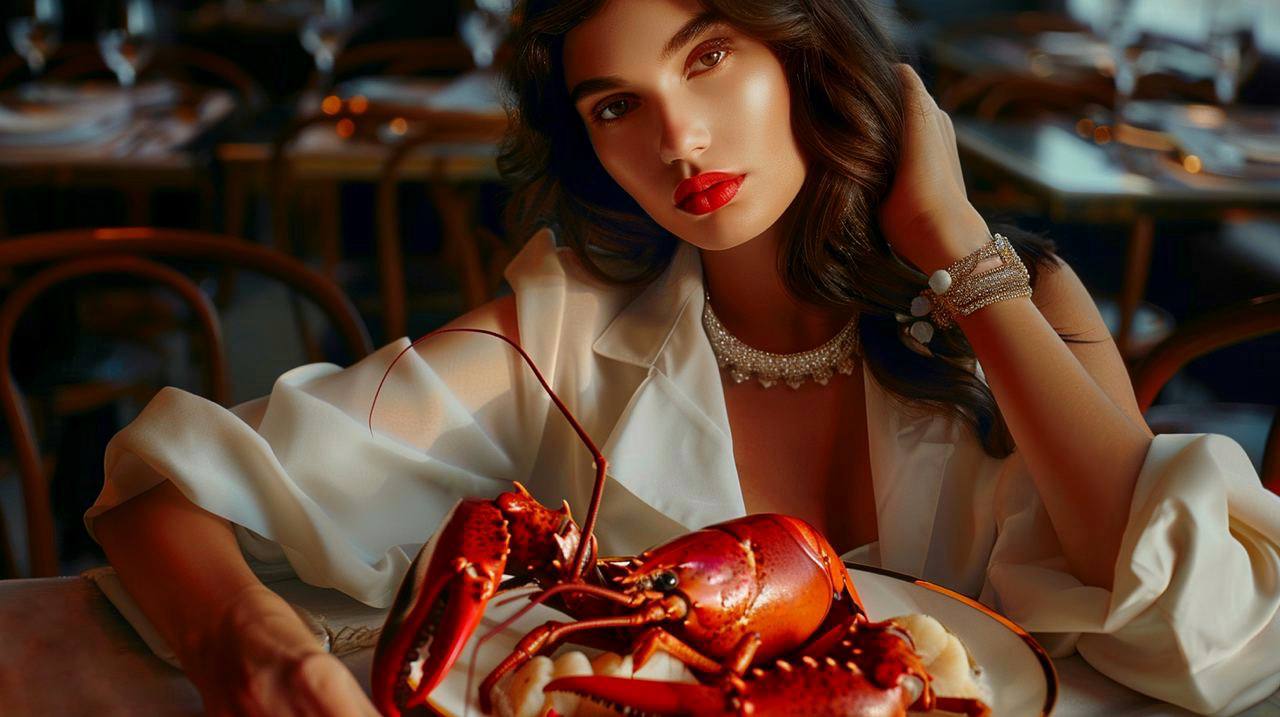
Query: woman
x,y
726,177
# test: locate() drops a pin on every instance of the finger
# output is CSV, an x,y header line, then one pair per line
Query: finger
x,y
953,149
330,689
947,135
916,99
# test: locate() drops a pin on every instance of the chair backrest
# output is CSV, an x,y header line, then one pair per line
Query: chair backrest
x,y
462,234
446,55
133,251
399,131
354,121
1001,95
1219,329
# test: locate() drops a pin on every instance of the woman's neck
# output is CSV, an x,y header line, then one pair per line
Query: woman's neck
x,y
749,297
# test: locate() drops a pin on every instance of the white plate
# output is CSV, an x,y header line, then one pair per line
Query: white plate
x,y
1021,676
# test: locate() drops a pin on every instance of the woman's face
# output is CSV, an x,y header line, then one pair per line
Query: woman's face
x,y
667,95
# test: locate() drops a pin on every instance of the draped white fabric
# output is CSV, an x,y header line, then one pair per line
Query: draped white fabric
x,y
1192,619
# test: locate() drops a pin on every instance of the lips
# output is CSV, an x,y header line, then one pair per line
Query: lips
x,y
707,191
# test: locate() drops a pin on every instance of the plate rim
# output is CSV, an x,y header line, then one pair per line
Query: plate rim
x,y
1046,664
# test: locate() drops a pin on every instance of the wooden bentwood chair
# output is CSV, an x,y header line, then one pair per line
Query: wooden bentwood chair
x,y
76,254
1219,329
412,145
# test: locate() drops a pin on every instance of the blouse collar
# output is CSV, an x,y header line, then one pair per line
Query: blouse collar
x,y
676,424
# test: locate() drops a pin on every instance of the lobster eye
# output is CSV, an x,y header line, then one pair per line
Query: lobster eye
x,y
665,582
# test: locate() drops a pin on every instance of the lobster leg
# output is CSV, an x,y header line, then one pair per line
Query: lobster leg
x,y
656,638
550,635
870,669
810,688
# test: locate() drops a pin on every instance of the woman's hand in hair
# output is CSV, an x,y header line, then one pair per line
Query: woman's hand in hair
x,y
926,217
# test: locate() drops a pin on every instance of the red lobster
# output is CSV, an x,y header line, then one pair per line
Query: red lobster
x,y
760,607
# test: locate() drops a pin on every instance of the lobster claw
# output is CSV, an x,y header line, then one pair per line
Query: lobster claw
x,y
439,605
646,696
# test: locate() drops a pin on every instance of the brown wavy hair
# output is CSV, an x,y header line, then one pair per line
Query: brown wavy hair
x,y
847,114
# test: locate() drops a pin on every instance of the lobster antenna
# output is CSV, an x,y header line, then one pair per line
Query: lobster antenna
x,y
587,536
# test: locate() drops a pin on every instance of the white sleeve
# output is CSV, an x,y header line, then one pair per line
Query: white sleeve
x,y
304,479
1194,616
345,505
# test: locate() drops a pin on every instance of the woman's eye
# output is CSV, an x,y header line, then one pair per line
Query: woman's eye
x,y
711,59
612,111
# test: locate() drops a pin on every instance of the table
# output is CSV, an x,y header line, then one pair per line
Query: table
x,y
150,149
1081,180
67,651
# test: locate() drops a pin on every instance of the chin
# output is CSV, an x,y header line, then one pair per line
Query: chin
x,y
721,230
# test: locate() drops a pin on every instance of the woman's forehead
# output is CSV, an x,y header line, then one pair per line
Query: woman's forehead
x,y
627,34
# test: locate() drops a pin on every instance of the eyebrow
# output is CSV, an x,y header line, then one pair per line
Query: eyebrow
x,y
682,37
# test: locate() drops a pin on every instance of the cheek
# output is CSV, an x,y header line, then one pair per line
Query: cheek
x,y
762,122
622,156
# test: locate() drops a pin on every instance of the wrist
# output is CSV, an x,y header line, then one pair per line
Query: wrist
x,y
251,626
952,237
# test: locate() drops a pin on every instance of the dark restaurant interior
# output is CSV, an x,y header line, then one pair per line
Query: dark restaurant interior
x,y
208,193
358,139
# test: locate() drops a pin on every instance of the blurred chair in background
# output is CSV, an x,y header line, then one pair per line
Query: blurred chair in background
x,y
133,252
443,56
1256,427
359,140
476,254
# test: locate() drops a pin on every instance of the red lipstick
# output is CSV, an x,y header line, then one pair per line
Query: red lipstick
x,y
707,192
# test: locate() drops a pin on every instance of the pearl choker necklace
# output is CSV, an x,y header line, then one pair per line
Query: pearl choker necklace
x,y
742,361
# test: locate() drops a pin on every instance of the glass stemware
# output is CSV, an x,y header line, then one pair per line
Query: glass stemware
x,y
323,34
1229,29
127,38
1118,25
483,26
35,30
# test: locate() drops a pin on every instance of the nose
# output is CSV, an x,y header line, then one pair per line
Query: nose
x,y
685,135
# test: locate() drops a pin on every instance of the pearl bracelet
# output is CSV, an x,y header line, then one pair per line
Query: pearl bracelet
x,y
957,291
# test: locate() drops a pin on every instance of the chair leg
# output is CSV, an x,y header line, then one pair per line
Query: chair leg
x,y
457,212
329,210
1137,264
8,565
1271,457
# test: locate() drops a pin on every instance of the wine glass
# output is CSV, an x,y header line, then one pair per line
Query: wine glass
x,y
1119,24
127,38
35,30
483,26
1229,27
324,32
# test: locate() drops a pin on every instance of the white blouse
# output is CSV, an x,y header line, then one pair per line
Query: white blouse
x,y
1192,618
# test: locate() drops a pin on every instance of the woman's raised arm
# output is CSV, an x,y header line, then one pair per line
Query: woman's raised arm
x,y
1070,409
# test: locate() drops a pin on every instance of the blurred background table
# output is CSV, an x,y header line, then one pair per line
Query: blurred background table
x,y
1077,172
153,137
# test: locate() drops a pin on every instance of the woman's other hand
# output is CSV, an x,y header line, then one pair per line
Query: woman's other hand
x,y
260,659
926,217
